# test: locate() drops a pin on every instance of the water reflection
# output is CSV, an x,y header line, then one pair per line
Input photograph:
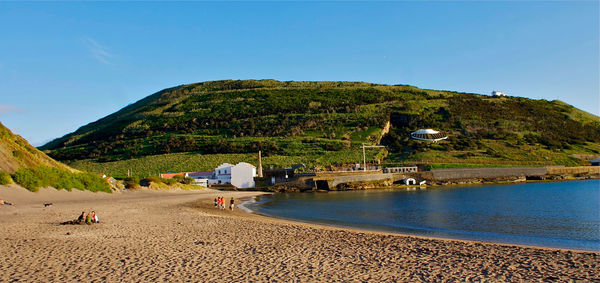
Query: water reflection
x,y
564,214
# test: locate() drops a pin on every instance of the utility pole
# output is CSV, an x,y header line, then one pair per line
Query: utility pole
x,y
365,156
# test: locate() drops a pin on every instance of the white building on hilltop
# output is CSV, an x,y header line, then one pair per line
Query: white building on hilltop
x,y
428,135
496,93
240,175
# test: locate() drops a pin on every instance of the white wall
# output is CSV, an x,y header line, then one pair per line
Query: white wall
x,y
201,182
242,175
223,174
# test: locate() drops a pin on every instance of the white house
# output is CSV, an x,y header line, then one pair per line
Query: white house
x,y
240,175
222,175
496,93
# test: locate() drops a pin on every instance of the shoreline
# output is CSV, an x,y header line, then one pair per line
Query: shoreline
x,y
475,184
302,185
178,235
484,183
392,233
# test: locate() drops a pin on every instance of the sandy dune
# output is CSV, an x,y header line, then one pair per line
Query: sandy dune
x,y
178,236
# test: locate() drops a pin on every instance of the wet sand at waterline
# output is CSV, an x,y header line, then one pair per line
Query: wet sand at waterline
x,y
175,236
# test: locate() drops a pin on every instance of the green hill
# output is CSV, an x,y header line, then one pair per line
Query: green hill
x,y
16,152
290,121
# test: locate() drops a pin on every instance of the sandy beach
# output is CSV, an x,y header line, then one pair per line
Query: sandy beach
x,y
178,236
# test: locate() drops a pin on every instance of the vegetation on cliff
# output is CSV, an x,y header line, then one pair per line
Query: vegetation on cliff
x,y
41,177
16,152
27,166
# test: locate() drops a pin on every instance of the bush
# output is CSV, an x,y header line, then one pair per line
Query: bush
x,y
154,179
5,178
27,178
149,180
132,182
187,180
38,177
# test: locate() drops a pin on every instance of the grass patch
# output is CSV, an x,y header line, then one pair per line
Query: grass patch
x,y
5,178
40,177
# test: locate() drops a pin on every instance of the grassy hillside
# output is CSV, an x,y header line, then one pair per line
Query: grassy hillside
x,y
16,152
485,130
324,123
33,169
152,165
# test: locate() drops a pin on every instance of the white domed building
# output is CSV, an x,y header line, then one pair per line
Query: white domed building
x,y
428,135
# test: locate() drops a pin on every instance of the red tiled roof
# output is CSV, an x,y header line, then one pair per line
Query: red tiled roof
x,y
171,175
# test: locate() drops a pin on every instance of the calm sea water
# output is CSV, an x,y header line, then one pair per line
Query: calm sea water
x,y
561,214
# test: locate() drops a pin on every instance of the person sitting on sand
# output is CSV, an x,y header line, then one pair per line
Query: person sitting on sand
x,y
81,218
231,204
88,219
95,217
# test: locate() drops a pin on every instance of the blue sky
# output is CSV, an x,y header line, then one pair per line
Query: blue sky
x,y
63,65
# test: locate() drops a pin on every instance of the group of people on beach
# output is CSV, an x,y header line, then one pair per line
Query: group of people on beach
x,y
221,203
88,219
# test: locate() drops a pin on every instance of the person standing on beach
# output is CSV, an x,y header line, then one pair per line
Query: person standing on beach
x,y
216,202
231,204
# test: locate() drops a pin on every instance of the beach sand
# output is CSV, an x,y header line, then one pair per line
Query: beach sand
x,y
176,236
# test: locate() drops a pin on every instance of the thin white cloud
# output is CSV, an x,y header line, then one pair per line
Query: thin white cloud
x,y
99,52
7,109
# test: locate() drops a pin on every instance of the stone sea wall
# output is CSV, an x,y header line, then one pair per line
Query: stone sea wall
x,y
454,176
488,172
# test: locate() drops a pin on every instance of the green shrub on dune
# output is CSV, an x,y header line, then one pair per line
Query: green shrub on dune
x,y
176,181
5,178
39,177
132,182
